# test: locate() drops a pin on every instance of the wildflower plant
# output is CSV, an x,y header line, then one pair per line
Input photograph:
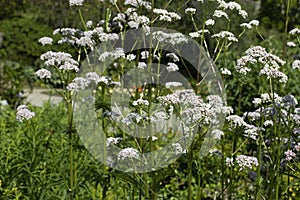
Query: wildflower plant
x,y
149,103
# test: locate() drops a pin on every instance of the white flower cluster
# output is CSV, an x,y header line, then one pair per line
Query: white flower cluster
x,y
115,54
130,57
296,64
86,42
217,134
136,20
226,34
246,161
271,63
165,15
250,25
140,102
131,117
84,38
77,84
295,31
252,131
159,116
173,84
23,113
45,40
232,6
198,33
220,13
62,60
236,121
229,162
193,108
190,11
43,73
173,56
267,98
111,141
225,71
138,3
289,155
170,38
76,2
172,67
128,153
209,22
177,148
142,65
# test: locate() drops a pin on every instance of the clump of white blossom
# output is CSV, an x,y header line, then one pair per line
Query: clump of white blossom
x,y
62,60
76,2
45,40
24,114
245,162
43,73
270,63
128,153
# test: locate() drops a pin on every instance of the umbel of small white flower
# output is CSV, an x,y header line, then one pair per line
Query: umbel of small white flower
x,y
76,2
43,73
24,114
271,63
62,60
245,162
128,153
45,40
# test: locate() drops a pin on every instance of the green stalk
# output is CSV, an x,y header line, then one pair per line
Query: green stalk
x,y
258,183
70,132
286,26
189,168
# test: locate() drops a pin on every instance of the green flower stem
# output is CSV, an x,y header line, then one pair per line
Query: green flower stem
x,y
82,20
286,27
258,178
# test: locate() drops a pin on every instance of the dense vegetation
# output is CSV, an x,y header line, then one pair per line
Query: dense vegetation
x,y
233,134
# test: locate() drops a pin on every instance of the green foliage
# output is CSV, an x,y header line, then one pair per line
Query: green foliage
x,y
13,78
20,40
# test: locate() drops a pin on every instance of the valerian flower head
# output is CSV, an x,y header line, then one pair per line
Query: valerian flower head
x,y
128,153
77,84
229,162
246,161
111,141
291,44
190,11
246,25
220,13
225,34
138,3
209,22
177,148
236,120
289,155
173,56
173,84
86,42
23,113
296,64
295,31
76,2
140,102
225,71
172,67
61,59
165,15
46,40
43,73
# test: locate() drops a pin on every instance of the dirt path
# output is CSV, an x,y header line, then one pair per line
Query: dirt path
x,y
37,97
